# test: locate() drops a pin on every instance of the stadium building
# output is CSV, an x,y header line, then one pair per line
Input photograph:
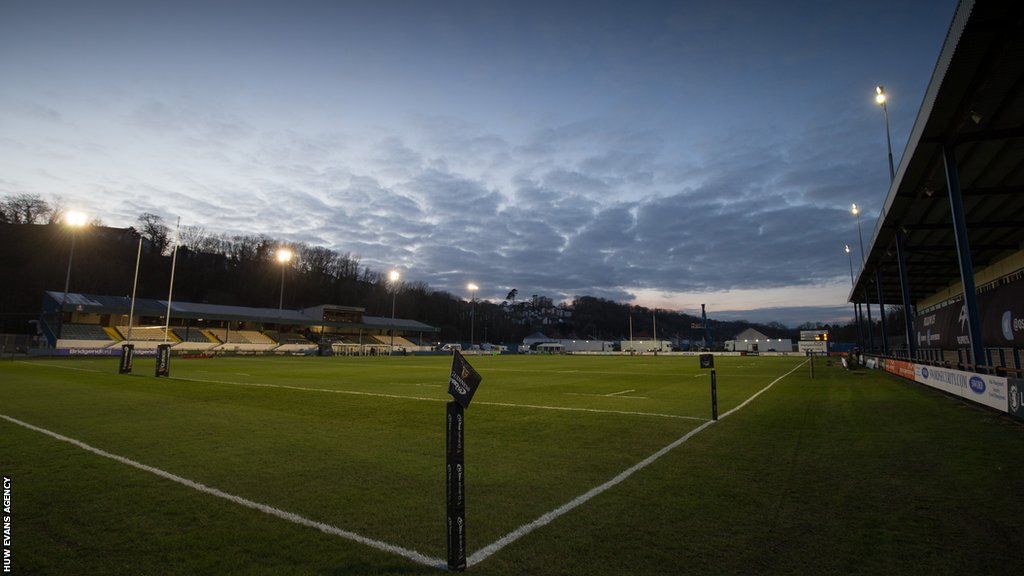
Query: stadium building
x,y
95,324
947,246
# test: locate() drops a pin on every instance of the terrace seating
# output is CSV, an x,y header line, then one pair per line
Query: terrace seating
x,y
288,337
190,335
146,333
241,336
84,332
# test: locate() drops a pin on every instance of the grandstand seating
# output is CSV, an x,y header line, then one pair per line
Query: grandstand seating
x,y
241,336
191,335
400,342
147,333
288,337
84,332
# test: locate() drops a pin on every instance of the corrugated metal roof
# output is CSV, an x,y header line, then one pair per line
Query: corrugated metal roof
x,y
974,105
101,304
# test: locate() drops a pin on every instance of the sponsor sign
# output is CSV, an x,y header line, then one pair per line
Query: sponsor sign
x,y
984,389
1002,320
457,540
464,380
455,432
900,368
455,485
127,354
819,347
163,360
707,361
1015,397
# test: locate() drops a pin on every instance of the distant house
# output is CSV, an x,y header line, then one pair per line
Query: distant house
x,y
751,340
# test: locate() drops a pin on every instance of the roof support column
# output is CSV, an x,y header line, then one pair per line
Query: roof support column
x,y
881,312
867,306
908,318
963,250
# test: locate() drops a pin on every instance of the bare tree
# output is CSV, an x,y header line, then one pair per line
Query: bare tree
x,y
25,209
152,228
194,238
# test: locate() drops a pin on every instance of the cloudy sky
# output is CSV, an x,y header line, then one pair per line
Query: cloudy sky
x,y
666,153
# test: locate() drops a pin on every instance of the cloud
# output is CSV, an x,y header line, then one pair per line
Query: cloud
x,y
581,208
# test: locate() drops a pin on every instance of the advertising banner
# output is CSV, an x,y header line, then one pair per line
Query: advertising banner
x,y
1015,396
980,388
463,381
457,540
819,347
901,368
127,353
455,486
163,360
1002,320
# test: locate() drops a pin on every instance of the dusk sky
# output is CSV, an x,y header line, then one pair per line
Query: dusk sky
x,y
667,154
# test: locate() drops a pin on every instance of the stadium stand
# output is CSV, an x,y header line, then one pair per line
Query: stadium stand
x,y
147,333
84,332
287,337
242,337
191,335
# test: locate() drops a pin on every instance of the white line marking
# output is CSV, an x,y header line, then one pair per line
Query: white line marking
x,y
402,397
605,395
291,517
423,398
546,518
56,366
622,392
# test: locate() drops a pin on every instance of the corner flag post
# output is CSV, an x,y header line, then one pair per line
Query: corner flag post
x,y
462,384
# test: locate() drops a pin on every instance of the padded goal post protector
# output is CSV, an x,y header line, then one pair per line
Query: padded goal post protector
x,y
163,360
127,356
1015,397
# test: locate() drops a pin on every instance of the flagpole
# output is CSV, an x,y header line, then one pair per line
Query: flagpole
x,y
135,284
170,290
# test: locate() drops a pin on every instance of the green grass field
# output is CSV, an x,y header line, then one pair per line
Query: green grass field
x,y
846,473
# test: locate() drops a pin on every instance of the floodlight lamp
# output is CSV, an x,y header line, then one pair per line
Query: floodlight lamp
x,y
854,210
284,255
880,94
394,275
75,218
472,287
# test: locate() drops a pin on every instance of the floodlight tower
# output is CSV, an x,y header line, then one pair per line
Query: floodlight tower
x,y
472,310
881,98
856,313
393,277
74,220
284,256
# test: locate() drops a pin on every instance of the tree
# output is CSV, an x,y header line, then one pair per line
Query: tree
x,y
512,295
25,209
152,228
